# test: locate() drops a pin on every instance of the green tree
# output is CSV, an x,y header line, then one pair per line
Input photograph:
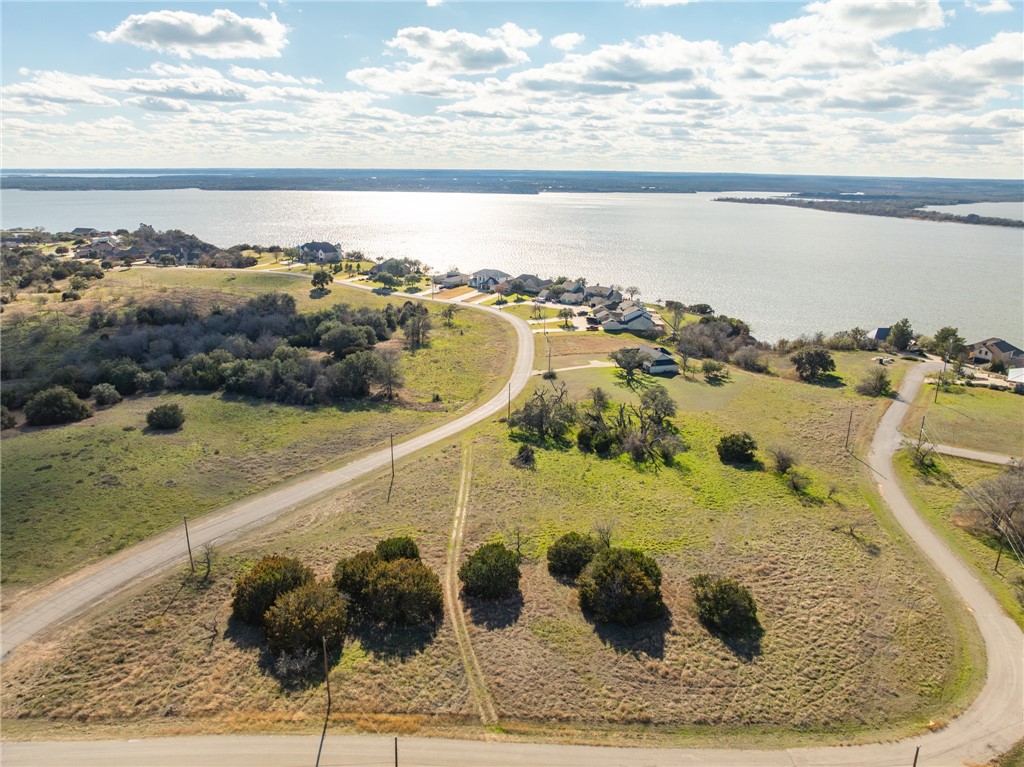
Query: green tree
x,y
630,360
417,328
570,553
675,314
388,372
565,315
875,384
321,280
256,590
105,394
547,413
303,618
448,314
724,606
490,572
403,592
901,334
948,343
7,420
658,404
342,340
398,547
812,361
166,416
736,448
621,586
352,576
55,405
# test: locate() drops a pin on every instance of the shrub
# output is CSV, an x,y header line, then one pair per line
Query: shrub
x,y
783,457
269,578
797,481
751,359
712,369
70,295
525,458
403,592
7,420
490,572
585,439
571,553
812,362
724,606
621,586
167,416
352,576
302,618
399,547
105,394
736,448
55,405
875,384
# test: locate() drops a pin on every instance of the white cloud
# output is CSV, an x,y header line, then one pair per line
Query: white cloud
x,y
458,52
872,19
434,3
159,104
263,76
221,35
993,6
567,42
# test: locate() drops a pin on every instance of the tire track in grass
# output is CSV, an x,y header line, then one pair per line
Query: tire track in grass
x,y
477,684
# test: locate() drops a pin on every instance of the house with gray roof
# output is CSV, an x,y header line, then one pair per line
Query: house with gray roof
x,y
321,252
996,350
659,360
485,280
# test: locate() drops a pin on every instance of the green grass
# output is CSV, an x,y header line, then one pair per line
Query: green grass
x,y
75,493
1012,758
935,496
970,417
526,311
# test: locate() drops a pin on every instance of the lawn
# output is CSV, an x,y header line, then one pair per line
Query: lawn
x,y
971,417
935,495
74,493
860,636
527,310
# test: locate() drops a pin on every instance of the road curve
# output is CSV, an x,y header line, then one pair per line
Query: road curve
x,y
990,726
98,582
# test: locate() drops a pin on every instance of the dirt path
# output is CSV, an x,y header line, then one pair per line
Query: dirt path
x,y
477,683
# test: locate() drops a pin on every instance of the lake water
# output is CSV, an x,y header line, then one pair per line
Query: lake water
x,y
785,271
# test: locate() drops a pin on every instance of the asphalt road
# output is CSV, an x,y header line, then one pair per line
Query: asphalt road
x,y
71,595
994,721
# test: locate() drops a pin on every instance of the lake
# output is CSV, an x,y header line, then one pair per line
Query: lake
x,y
785,271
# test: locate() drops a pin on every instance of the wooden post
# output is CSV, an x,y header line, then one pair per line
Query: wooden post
x,y
509,416
189,544
392,455
327,716
999,555
396,751
916,752
849,427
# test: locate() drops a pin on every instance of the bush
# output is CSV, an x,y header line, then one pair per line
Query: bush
x,y
812,362
875,384
490,572
105,394
736,448
621,586
399,547
302,618
7,420
269,578
724,606
403,592
525,458
70,295
55,405
797,481
168,416
571,553
751,359
585,439
352,576
783,457
712,369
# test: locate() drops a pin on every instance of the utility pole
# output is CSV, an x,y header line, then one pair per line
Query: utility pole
x,y
396,751
392,483
327,716
189,544
917,751
849,427
509,416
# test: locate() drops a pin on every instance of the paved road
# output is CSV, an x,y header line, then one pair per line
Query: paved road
x,y
990,726
94,584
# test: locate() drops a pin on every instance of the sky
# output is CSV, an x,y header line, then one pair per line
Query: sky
x,y
846,87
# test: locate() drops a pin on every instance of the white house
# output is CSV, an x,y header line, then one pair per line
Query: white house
x,y
996,350
660,361
485,279
321,252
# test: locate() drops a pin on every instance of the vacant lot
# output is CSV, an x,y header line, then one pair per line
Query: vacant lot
x,y
971,417
859,637
77,492
935,495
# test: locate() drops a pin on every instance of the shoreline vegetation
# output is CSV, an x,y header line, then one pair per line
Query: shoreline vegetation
x,y
890,207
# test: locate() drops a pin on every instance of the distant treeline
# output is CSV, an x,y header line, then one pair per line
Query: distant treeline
x,y
880,206
524,182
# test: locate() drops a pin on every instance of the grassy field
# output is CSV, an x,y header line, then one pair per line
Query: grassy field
x,y
77,492
935,495
971,417
860,637
526,311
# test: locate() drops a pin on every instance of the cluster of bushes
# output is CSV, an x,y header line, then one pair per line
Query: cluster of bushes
x,y
616,585
29,267
491,572
713,338
391,585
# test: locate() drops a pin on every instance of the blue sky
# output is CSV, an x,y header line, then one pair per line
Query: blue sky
x,y
880,87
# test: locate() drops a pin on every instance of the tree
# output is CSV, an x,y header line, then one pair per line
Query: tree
x,y
302,619
55,405
342,340
633,290
995,506
724,606
812,361
490,572
105,394
565,315
572,552
675,313
712,369
875,384
630,360
258,589
859,336
736,448
901,334
658,404
448,314
547,413
403,592
321,280
352,576
166,416
7,420
417,328
388,372
127,262
399,547
948,342
621,586
751,359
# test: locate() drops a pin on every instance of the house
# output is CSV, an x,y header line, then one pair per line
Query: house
x,y
629,316
321,252
486,279
571,299
995,350
1015,377
453,279
879,335
98,249
532,284
84,231
660,361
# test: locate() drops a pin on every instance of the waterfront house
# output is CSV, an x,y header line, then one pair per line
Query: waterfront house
x,y
321,252
995,350
629,316
453,279
879,335
659,360
532,284
486,280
